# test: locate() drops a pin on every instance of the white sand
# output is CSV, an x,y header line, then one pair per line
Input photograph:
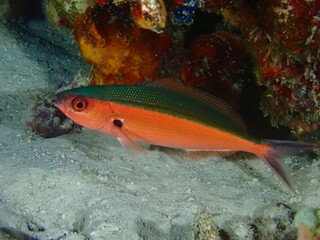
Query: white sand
x,y
86,186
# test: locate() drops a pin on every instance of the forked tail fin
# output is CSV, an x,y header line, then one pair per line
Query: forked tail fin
x,y
273,157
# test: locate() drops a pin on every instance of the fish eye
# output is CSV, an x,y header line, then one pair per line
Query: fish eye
x,y
79,104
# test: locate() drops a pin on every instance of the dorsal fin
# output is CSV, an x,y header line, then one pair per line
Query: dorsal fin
x,y
200,96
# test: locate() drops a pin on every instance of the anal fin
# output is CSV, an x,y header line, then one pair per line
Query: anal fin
x,y
196,155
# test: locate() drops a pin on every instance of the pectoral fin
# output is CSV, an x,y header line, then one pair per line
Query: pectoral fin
x,y
133,148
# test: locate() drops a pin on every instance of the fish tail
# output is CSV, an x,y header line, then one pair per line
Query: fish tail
x,y
273,156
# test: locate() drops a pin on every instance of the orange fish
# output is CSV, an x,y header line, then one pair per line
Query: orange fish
x,y
169,114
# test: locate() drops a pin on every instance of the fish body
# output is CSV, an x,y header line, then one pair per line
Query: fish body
x,y
158,128
166,113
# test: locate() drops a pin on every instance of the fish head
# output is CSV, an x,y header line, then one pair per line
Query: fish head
x,y
86,111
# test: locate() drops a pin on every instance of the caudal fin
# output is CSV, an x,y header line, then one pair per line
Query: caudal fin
x,y
273,157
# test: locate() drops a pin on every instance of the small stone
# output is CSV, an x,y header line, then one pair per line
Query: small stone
x,y
307,216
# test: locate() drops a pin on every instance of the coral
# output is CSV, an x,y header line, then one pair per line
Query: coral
x,y
205,229
284,37
150,14
101,2
49,122
241,228
64,13
215,64
184,13
273,220
133,41
217,6
295,25
119,51
303,130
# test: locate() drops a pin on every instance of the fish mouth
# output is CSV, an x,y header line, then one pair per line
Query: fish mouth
x,y
59,99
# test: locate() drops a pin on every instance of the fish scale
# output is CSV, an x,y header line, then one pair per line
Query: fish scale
x,y
169,114
164,101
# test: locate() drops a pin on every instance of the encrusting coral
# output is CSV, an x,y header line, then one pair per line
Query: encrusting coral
x,y
284,38
64,13
49,122
120,52
128,42
215,64
150,14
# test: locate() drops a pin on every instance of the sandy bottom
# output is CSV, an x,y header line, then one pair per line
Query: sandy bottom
x,y
86,186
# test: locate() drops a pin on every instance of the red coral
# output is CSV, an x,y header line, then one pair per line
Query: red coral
x,y
178,2
216,6
101,2
295,25
284,37
214,63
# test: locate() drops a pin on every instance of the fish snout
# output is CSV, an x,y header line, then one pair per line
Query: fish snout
x,y
59,99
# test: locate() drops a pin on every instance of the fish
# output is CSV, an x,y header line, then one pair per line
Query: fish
x,y
167,113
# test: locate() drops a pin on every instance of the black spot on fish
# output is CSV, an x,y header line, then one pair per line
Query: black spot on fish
x,y
118,123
